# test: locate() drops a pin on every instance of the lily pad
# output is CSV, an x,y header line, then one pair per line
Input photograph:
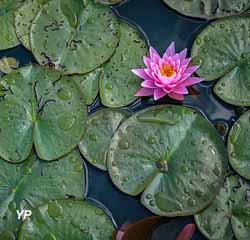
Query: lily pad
x,y
229,215
172,154
8,64
101,127
80,221
24,17
221,50
209,9
34,182
39,106
109,2
238,146
87,35
119,84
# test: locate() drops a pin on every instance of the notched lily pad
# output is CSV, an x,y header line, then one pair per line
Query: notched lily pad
x,y
34,182
8,64
74,37
172,154
39,106
24,16
119,84
80,220
101,127
229,215
209,9
222,51
238,146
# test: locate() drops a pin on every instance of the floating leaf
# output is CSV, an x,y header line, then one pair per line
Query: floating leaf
x,y
221,50
109,2
238,146
41,107
8,64
74,38
119,84
209,9
172,154
229,214
66,219
34,182
24,17
101,127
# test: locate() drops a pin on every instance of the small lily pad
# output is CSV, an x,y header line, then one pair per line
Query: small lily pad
x,y
172,154
74,38
24,17
39,106
76,220
119,84
109,2
209,9
238,146
35,182
8,64
228,217
221,50
101,127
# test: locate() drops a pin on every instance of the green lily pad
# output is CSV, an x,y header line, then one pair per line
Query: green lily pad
x,y
209,9
228,217
24,17
87,35
8,64
238,146
67,219
119,84
34,182
221,50
172,154
8,37
39,106
109,2
101,127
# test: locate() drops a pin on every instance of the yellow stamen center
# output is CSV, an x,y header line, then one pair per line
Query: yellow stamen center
x,y
167,71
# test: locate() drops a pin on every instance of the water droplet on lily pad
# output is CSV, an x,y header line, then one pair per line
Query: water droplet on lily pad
x,y
66,121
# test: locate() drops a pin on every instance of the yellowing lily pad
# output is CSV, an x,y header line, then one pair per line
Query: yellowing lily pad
x,y
228,217
171,154
8,64
65,220
101,127
39,106
222,51
35,182
74,36
238,146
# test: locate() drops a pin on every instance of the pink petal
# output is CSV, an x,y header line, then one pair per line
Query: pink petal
x,y
143,92
148,84
170,51
146,61
140,73
176,96
192,69
180,90
159,93
183,54
191,81
155,57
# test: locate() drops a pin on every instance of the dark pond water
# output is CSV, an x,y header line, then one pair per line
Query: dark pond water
x,y
162,26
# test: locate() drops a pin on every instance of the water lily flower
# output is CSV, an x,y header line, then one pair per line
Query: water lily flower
x,y
169,75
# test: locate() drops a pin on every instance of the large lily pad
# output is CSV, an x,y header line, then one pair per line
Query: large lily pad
x,y
39,106
238,146
209,9
74,37
24,17
34,182
172,154
65,220
101,127
222,51
229,214
8,37
119,84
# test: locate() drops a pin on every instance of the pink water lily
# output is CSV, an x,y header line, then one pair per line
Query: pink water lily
x,y
169,75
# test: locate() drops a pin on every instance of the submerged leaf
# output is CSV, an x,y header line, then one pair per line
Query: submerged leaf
x,y
76,220
187,232
172,154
